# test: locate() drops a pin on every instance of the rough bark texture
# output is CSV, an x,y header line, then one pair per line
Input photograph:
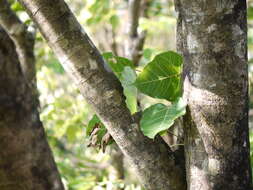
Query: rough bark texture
x,y
23,39
26,162
156,166
213,40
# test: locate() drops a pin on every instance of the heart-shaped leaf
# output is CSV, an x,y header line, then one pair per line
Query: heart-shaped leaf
x,y
160,117
161,77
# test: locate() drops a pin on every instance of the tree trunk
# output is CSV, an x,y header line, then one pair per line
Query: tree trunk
x,y
156,166
26,162
212,36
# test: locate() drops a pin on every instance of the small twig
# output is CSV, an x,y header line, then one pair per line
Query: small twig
x,y
114,43
172,133
176,145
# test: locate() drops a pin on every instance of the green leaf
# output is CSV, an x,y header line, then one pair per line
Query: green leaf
x,y
96,6
93,20
102,130
147,53
16,6
250,13
94,120
124,70
117,63
71,132
97,131
55,66
114,20
130,91
161,77
160,117
99,11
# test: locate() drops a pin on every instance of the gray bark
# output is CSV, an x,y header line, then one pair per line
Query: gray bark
x,y
135,43
26,162
212,36
23,39
155,164
134,9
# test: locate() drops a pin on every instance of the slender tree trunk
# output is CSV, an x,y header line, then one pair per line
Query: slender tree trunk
x,y
135,40
26,162
212,36
156,166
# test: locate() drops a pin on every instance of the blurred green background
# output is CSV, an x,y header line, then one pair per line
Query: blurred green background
x,y
64,112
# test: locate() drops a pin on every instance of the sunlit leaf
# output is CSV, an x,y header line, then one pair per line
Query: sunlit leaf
x,y
124,70
160,117
16,6
161,77
71,132
114,20
147,53
117,63
130,91
55,66
250,13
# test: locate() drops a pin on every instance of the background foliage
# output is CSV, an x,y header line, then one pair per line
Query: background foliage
x,y
65,113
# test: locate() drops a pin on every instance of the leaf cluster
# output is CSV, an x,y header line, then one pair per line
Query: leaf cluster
x,y
161,79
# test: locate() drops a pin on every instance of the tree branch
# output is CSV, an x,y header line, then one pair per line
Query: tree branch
x,y
136,41
137,47
134,10
23,39
154,164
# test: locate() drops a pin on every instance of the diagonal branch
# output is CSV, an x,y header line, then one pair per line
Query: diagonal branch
x,y
23,39
154,164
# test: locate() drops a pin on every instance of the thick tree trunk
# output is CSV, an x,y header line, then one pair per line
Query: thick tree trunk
x,y
26,162
213,40
156,166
